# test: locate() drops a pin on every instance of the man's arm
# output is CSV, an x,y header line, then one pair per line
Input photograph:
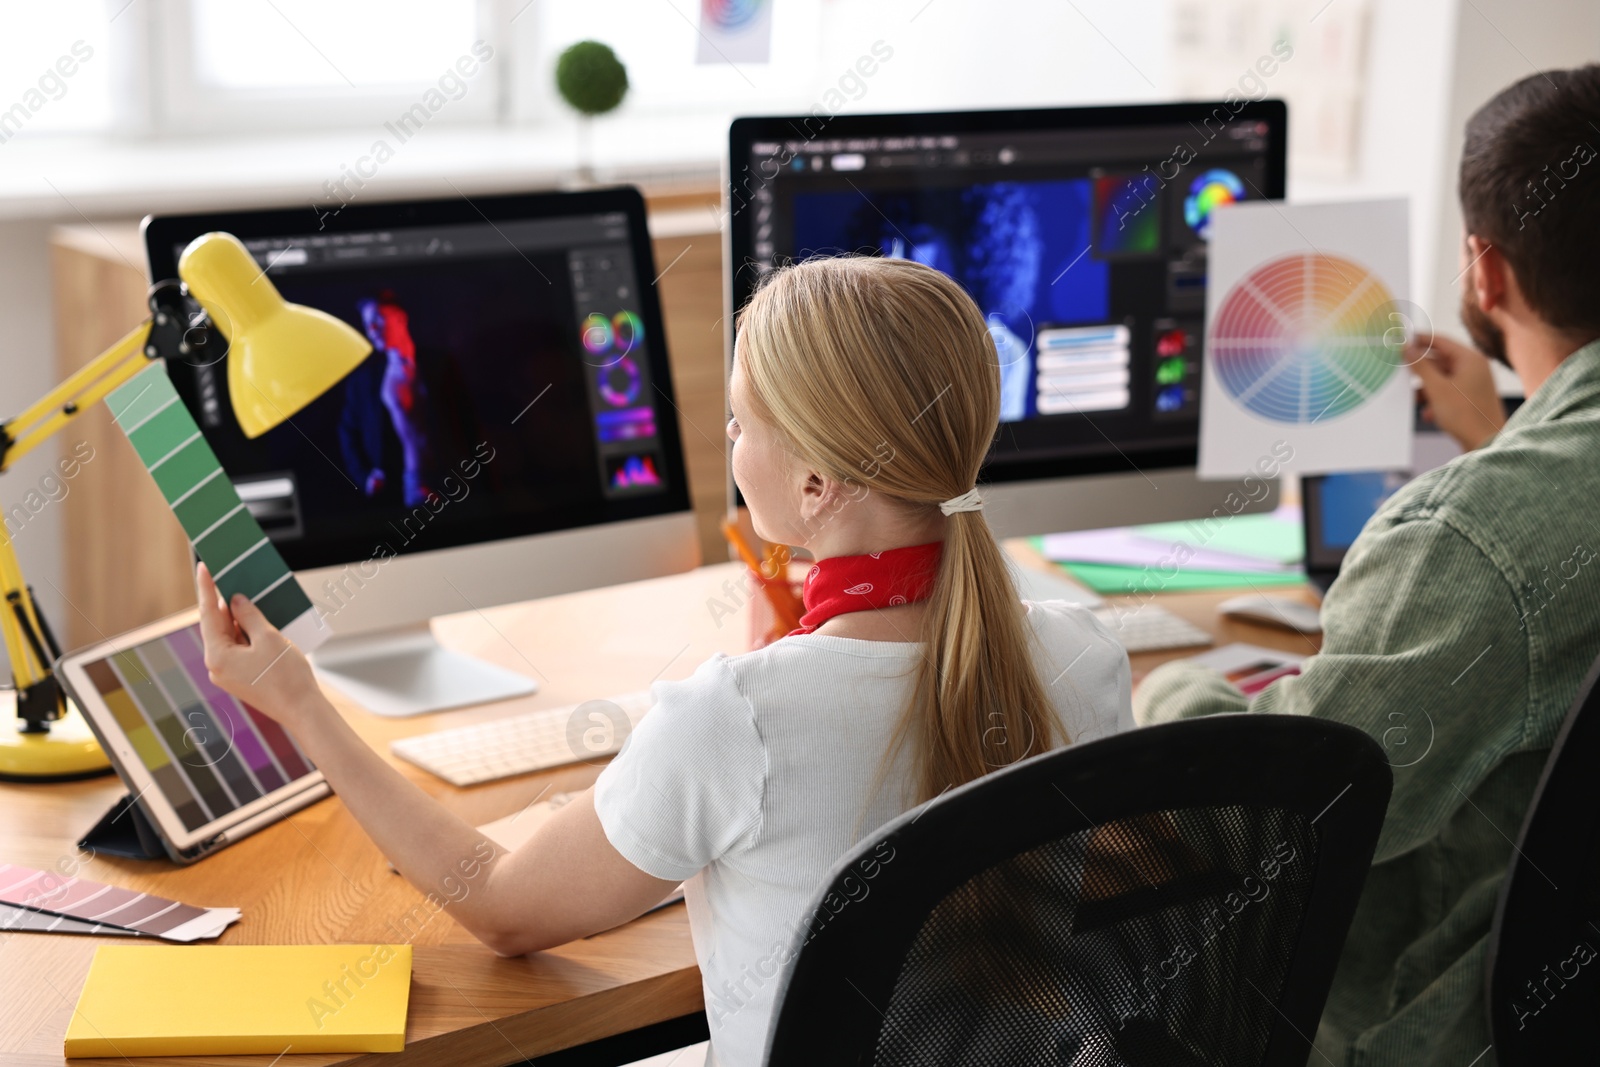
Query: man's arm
x,y
1423,647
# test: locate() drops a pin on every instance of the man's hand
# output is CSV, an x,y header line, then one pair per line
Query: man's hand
x,y
1457,388
248,658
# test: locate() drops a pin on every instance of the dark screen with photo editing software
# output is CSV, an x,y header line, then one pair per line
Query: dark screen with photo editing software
x,y
1085,248
512,389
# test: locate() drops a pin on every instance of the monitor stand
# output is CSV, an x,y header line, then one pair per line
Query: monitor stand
x,y
405,671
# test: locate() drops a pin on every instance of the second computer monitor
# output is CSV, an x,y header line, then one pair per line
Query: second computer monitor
x,y
1081,233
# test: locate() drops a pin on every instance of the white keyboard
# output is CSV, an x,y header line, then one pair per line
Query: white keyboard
x,y
532,741
1147,628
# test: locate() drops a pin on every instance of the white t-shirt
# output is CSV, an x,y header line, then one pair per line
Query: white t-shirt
x,y
754,776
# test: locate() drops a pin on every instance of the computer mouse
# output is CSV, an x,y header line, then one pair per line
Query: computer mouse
x,y
1274,611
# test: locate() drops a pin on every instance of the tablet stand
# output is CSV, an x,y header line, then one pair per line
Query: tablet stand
x,y
124,831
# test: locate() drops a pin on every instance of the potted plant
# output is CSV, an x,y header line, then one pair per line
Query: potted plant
x,y
593,81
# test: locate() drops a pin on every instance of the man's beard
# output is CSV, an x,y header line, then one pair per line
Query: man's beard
x,y
1486,336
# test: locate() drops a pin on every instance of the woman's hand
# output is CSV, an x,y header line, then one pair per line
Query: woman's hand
x,y
251,660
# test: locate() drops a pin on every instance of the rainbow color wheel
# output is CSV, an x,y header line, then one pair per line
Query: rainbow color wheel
x,y
1211,190
596,334
1300,338
627,330
619,383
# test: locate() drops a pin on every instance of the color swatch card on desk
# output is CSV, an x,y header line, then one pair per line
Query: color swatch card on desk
x,y
97,905
271,1000
28,921
220,527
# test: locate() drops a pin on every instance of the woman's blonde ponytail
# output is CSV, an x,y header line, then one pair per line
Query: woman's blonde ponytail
x,y
856,359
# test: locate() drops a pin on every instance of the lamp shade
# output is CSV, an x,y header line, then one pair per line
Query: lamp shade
x,y
281,356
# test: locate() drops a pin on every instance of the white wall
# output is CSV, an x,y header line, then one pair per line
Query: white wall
x,y
1496,43
27,371
951,54
1403,150
946,54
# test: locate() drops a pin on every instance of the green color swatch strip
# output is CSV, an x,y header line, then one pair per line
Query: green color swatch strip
x,y
223,532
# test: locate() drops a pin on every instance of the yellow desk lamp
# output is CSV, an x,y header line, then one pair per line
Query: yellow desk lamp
x,y
281,356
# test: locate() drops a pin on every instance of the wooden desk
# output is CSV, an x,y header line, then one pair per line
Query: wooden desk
x,y
1201,609
316,878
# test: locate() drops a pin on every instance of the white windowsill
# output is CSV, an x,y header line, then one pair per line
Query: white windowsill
x,y
68,178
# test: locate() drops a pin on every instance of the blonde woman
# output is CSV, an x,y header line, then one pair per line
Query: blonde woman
x,y
864,396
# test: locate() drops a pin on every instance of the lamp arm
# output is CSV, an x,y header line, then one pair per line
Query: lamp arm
x,y
29,642
86,386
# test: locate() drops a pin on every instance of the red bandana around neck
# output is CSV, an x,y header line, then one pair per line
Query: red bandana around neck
x,y
842,584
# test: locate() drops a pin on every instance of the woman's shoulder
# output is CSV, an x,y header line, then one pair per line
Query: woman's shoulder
x,y
1063,618
1072,630
713,685
1083,666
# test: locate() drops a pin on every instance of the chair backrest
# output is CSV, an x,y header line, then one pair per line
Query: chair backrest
x,y
1543,972
1175,895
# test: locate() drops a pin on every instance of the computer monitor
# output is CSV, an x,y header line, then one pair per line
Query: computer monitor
x,y
1080,232
1336,507
513,434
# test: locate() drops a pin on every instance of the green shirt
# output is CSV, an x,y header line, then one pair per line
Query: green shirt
x,y
1463,620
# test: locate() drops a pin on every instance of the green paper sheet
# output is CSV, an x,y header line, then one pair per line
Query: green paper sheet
x,y
1109,579
1270,537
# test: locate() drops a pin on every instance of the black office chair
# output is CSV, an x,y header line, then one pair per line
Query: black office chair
x,y
1173,896
1546,933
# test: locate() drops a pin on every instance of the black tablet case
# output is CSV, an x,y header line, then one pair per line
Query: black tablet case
x,y
125,831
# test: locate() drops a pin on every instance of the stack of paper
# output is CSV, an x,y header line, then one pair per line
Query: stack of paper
x,y
1216,553
271,1000
45,902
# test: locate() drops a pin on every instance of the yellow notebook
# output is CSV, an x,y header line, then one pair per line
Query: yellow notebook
x,y
184,1000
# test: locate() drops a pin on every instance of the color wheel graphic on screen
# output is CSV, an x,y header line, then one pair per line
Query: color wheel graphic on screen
x,y
1294,339
1211,190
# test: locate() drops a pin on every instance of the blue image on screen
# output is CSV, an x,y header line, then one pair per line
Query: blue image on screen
x,y
1018,248
1349,500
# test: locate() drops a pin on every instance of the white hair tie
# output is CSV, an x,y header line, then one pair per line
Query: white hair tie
x,y
968,501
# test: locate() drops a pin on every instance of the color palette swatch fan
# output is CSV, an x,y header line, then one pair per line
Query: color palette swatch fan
x,y
1306,334
220,527
41,902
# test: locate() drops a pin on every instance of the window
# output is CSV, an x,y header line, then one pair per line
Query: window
x,y
55,68
312,44
295,64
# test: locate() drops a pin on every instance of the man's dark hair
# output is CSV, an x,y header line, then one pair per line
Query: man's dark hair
x,y
1530,186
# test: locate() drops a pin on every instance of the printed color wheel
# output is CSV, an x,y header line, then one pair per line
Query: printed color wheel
x,y
1295,340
